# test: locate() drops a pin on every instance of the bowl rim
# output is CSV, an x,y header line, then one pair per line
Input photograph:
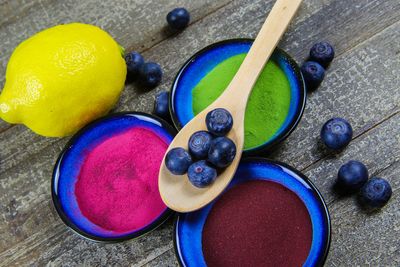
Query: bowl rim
x,y
271,144
57,203
319,197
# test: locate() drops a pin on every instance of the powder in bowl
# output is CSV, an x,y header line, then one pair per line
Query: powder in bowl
x,y
105,182
257,223
117,187
276,102
270,215
268,104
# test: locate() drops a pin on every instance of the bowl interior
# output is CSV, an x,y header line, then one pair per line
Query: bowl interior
x,y
66,172
199,65
189,226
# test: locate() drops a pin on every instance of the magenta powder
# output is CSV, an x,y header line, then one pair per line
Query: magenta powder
x,y
117,187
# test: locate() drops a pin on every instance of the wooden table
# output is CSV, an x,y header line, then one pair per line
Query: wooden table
x,y
362,85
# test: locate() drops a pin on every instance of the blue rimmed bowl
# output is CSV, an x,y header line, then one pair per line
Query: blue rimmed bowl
x,y
68,165
201,63
189,226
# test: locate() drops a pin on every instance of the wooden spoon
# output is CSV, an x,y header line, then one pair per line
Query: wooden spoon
x,y
176,190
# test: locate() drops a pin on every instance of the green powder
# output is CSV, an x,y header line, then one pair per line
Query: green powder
x,y
267,107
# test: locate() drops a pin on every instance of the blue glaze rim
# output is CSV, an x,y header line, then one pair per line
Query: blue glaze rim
x,y
55,179
288,126
321,250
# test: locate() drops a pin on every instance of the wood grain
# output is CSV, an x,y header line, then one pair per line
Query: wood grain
x,y
136,25
362,85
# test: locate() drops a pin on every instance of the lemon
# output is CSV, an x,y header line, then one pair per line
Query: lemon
x,y
60,79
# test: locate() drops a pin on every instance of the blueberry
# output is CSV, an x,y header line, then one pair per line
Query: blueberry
x,y
201,174
222,152
134,62
150,74
199,144
178,18
336,133
323,53
219,121
352,176
375,193
161,108
178,160
313,74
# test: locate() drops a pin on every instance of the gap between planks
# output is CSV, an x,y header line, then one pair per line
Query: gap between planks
x,y
362,133
175,34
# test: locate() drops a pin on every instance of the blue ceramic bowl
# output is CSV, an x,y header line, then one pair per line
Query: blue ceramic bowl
x,y
189,226
200,64
67,168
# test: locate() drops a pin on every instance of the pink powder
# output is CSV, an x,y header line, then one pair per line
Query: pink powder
x,y
117,187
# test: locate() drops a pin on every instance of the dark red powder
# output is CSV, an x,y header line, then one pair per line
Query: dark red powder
x,y
257,223
117,187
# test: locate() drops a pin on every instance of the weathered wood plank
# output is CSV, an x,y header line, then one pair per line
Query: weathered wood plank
x,y
360,86
342,24
367,239
136,25
166,259
378,149
28,217
62,244
358,237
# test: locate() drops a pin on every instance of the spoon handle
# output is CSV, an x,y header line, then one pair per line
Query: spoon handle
x,y
261,50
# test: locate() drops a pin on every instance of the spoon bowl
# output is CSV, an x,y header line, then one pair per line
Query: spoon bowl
x,y
176,190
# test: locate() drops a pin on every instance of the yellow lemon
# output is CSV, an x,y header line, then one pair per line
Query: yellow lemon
x,y
60,79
